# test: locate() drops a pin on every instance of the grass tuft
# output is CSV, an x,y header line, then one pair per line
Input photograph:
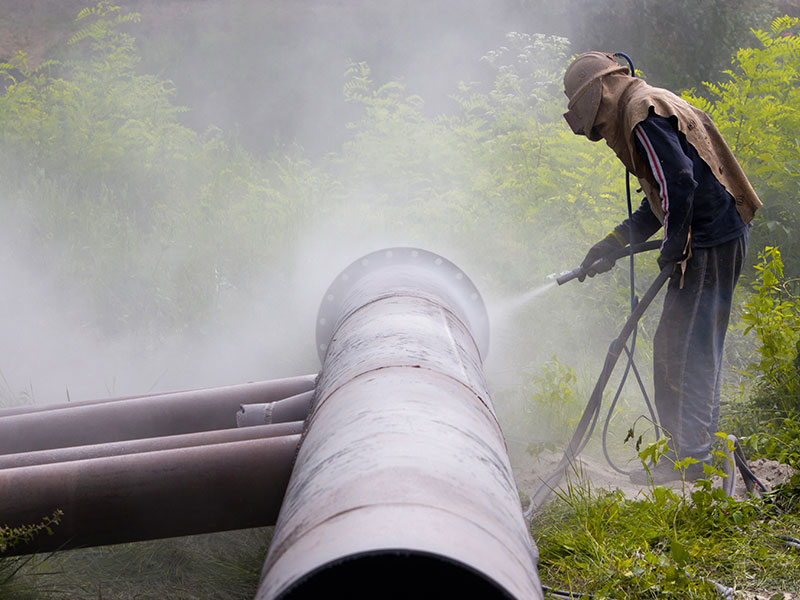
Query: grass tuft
x,y
664,543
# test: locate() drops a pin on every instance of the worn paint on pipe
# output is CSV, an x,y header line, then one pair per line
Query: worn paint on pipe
x,y
295,408
153,416
136,497
402,472
205,438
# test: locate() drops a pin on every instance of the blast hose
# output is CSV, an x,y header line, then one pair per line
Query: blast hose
x,y
590,414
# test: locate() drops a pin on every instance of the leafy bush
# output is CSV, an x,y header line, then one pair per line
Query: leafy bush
x,y
769,421
755,110
773,312
105,191
552,410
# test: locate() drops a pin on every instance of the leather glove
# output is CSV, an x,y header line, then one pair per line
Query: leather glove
x,y
663,261
599,252
671,253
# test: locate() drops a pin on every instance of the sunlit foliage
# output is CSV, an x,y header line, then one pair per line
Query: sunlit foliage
x,y
757,109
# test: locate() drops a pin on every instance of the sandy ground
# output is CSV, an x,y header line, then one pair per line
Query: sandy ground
x,y
529,471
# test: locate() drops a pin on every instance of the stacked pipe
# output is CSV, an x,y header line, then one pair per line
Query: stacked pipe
x,y
398,486
402,485
138,468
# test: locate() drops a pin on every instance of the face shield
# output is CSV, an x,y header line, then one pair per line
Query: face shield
x,y
582,108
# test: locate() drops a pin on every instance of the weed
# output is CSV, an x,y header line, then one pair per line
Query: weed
x,y
769,422
10,537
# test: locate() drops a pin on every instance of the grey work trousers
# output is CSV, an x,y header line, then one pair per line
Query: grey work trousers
x,y
688,343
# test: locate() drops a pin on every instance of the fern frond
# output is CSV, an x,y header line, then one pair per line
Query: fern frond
x,y
46,65
101,9
781,24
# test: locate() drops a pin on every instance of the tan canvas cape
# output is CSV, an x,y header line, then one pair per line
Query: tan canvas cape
x,y
627,101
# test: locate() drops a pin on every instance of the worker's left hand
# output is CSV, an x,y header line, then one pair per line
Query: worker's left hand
x,y
664,260
675,249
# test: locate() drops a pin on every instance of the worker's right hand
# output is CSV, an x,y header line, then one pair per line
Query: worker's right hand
x,y
599,252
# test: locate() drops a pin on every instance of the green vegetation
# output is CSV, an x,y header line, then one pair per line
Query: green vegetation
x,y
108,191
664,544
11,536
10,586
168,230
756,108
769,420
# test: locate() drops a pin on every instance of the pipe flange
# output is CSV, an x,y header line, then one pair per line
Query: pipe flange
x,y
452,280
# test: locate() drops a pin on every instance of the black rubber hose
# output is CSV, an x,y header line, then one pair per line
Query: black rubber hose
x,y
630,365
750,480
592,409
562,594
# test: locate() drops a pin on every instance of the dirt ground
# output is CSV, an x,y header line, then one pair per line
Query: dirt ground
x,y
528,472
595,472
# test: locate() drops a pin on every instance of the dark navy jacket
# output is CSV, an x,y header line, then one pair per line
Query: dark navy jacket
x,y
691,195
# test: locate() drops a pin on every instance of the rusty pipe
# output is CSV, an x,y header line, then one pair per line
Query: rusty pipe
x,y
295,408
20,409
150,416
188,440
32,408
402,481
134,497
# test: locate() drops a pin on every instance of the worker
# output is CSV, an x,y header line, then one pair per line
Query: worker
x,y
697,192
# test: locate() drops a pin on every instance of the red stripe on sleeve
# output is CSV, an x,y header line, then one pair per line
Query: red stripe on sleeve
x,y
658,172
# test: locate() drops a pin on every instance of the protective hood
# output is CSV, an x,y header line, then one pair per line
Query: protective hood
x,y
583,85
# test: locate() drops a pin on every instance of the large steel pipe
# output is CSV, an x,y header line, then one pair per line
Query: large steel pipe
x,y
152,495
150,416
402,485
188,440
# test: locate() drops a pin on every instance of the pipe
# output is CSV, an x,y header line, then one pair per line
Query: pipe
x,y
150,416
134,497
402,481
188,440
32,408
20,409
295,408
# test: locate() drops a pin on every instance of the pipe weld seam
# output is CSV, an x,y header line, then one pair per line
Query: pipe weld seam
x,y
430,299
320,400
